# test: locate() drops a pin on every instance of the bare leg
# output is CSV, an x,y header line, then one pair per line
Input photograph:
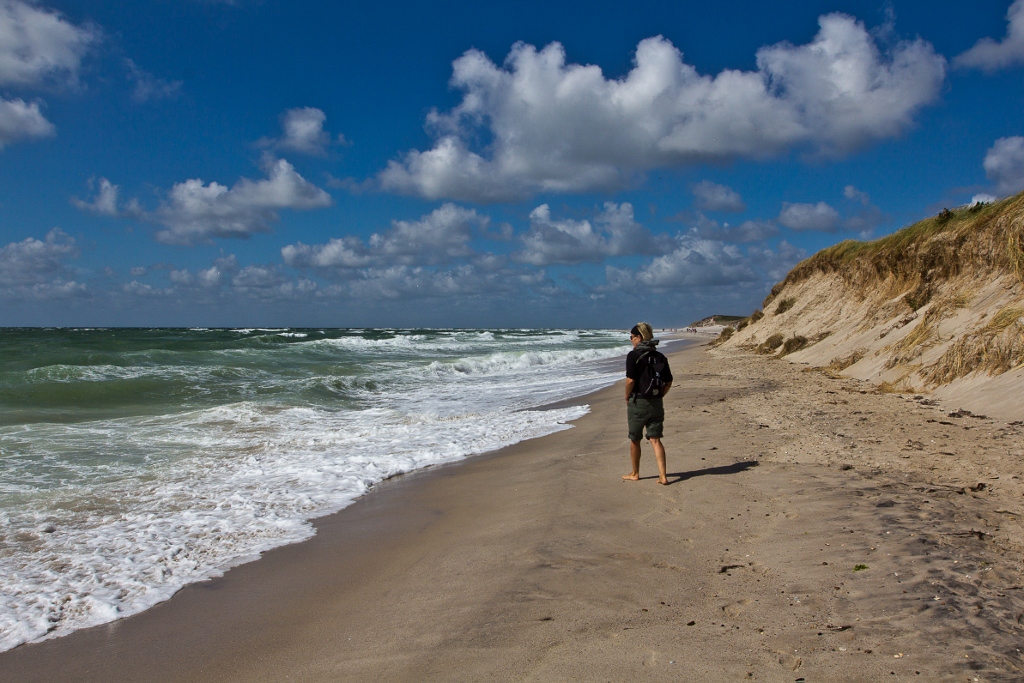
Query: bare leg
x,y
659,455
634,455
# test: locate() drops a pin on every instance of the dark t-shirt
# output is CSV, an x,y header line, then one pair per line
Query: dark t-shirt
x,y
633,372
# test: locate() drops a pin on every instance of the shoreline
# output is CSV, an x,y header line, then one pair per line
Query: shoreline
x,y
536,562
531,427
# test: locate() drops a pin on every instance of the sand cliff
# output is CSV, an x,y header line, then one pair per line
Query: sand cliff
x,y
935,309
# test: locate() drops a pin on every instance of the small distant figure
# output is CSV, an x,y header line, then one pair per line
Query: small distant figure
x,y
648,379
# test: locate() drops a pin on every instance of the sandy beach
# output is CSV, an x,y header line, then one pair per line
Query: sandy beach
x,y
814,529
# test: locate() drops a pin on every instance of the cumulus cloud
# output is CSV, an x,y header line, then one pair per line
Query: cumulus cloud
x,y
37,47
559,127
303,129
195,212
38,44
441,236
340,253
105,201
713,197
695,262
820,216
416,282
20,120
989,55
149,87
853,194
38,268
1004,165
614,232
438,237
982,198
774,264
207,278
747,231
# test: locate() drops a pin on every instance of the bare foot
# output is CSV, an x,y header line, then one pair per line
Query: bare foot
x,y
663,482
631,477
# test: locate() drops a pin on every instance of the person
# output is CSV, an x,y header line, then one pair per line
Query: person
x,y
645,411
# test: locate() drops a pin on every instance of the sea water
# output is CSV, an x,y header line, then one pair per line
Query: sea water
x,y
136,461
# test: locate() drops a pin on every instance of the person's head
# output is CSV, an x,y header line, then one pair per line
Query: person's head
x,y
641,332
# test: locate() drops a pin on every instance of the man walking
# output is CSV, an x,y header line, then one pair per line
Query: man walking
x,y
648,379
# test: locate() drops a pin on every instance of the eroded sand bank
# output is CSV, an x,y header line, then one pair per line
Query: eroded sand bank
x,y
538,563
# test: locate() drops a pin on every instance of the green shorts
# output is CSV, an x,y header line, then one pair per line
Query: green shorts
x,y
645,412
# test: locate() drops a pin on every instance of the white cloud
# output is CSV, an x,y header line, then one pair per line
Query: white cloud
x,y
1004,165
442,235
105,201
989,55
268,282
37,269
149,87
714,197
559,127
303,129
818,216
853,194
774,265
747,231
226,278
196,212
20,120
982,198
406,282
37,46
614,232
143,290
438,237
338,253
694,263
207,278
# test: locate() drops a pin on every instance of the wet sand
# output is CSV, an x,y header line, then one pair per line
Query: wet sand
x,y
813,529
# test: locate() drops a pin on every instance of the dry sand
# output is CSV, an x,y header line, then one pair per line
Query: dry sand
x,y
537,563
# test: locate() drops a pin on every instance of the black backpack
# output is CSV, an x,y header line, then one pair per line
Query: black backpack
x,y
650,383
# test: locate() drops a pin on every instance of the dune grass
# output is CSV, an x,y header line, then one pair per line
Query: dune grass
x,y
770,344
995,348
983,237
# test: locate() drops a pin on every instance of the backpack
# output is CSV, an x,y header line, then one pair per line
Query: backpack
x,y
650,383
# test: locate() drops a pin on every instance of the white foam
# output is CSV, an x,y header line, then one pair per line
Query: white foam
x,y
106,518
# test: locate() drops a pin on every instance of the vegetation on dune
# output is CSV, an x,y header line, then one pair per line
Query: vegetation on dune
x,y
724,335
925,334
785,305
770,344
984,237
924,272
794,343
995,348
839,364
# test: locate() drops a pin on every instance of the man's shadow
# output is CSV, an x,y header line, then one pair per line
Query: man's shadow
x,y
735,468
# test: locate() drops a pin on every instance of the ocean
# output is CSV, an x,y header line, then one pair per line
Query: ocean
x,y
136,461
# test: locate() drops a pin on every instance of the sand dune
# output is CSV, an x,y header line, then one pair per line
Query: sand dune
x,y
936,308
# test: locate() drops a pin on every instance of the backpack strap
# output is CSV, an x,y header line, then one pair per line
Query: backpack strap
x,y
636,384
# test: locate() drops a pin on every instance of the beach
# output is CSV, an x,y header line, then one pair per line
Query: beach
x,y
812,529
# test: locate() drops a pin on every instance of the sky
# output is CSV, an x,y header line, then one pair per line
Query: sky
x,y
528,164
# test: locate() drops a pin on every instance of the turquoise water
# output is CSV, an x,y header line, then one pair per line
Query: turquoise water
x,y
135,461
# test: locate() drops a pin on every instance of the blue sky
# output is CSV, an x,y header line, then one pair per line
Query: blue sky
x,y
259,162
